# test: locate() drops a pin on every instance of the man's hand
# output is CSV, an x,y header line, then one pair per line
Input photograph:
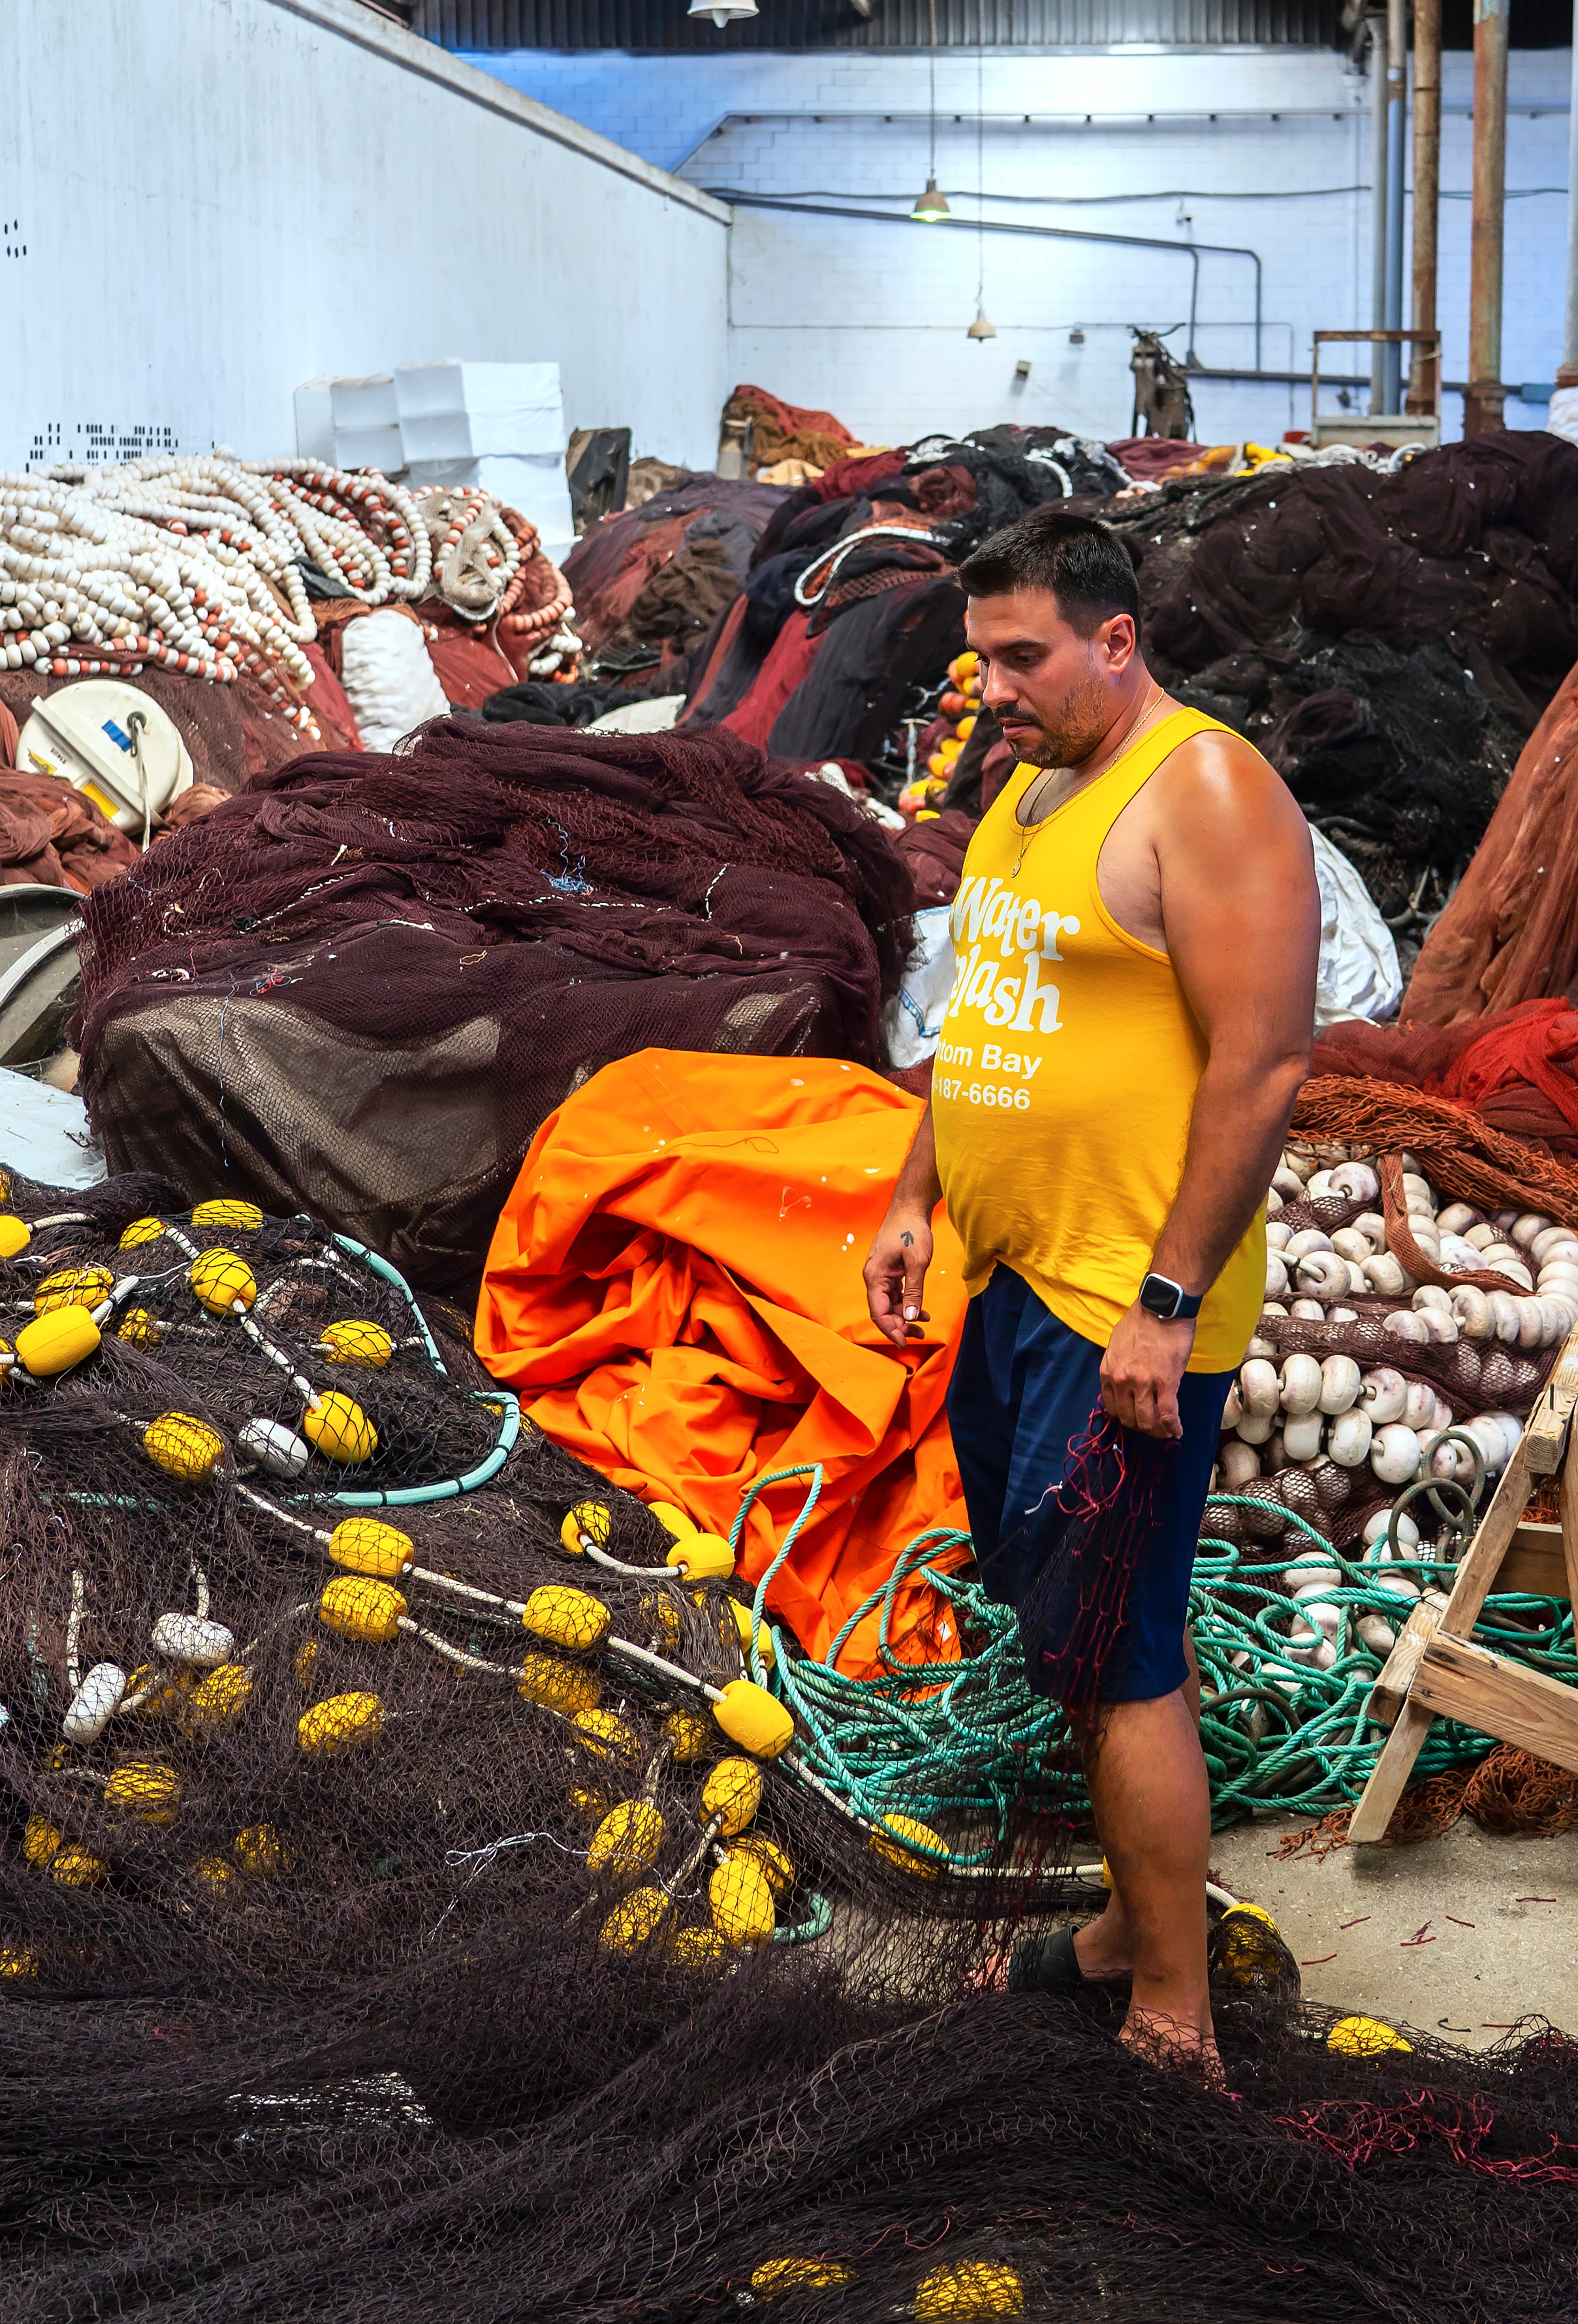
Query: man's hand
x,y
895,1275
1140,1370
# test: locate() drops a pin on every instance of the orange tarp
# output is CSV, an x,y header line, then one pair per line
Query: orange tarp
x,y
673,1291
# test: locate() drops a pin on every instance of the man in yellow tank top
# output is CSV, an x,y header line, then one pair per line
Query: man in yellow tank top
x,y
1135,939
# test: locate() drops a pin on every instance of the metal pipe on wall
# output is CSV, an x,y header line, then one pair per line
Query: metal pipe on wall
x,y
1427,193
1483,405
1397,100
1380,123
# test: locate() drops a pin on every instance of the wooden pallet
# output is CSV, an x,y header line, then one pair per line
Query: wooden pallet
x,y
1436,1670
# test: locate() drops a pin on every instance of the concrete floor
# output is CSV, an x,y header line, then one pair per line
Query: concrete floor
x,y
1497,1917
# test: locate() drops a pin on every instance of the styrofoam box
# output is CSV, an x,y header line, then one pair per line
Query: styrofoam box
x,y
366,402
454,410
369,448
315,420
533,482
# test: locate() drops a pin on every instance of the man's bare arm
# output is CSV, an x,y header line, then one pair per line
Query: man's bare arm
x,y
895,1272
1241,912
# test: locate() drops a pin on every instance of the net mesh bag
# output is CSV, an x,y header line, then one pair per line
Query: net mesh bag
x,y
413,1900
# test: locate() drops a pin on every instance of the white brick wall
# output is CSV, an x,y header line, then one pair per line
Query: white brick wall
x,y
870,320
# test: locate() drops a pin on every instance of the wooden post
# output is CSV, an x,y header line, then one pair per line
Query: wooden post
x,y
1425,366
1482,404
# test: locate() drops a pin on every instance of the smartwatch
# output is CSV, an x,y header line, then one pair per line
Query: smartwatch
x,y
1160,1295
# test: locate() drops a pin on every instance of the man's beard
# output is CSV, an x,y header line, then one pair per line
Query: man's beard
x,y
1083,722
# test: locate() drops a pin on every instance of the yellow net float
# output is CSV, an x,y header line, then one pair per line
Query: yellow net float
x,y
74,1867
145,1789
558,1685
1365,2037
355,1342
227,1213
732,1795
52,1343
699,1948
741,1620
222,1696
356,1607
671,1519
972,2289
663,1616
18,1961
752,1718
687,1736
778,1868
741,1902
776,2277
303,1660
215,1872
140,1231
588,1802
628,1840
607,1736
72,1286
140,1329
221,1279
588,1522
701,1557
910,1844
42,1840
15,1235
340,1430
260,1850
571,1619
366,1545
635,1920
1242,1948
338,1723
183,1447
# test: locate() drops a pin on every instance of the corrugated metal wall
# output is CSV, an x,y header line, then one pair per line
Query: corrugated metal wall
x,y
663,26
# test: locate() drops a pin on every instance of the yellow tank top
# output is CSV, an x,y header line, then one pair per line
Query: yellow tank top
x,y
1066,1068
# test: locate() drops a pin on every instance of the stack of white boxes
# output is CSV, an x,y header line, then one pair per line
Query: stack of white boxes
x,y
495,427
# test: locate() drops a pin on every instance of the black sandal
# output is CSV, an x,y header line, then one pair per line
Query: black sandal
x,y
1052,1965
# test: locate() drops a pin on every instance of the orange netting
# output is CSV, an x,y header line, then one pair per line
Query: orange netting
x,y
1455,1148
1511,1791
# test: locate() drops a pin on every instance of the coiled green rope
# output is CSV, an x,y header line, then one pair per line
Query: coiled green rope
x,y
967,1737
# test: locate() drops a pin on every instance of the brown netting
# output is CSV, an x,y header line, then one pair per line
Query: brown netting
x,y
365,982
1456,1150
407,1948
1510,1790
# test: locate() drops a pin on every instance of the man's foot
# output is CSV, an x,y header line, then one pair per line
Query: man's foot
x,y
1057,1963
1174,2046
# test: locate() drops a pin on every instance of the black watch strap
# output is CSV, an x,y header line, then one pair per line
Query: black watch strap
x,y
1160,1295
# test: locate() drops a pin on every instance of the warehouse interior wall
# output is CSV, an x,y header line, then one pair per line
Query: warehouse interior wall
x,y
870,320
206,202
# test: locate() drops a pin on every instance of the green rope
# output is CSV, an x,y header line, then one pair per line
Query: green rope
x,y
966,1737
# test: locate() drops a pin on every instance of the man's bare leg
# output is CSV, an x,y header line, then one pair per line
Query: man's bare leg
x,y
1152,1808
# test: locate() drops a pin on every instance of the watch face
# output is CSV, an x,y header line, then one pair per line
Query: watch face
x,y
1158,1296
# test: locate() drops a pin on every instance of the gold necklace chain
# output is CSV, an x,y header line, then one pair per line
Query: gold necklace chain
x,y
1027,830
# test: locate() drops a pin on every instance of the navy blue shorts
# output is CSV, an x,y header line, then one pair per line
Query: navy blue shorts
x,y
1023,1386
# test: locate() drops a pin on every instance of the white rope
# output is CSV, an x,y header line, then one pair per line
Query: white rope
x,y
190,564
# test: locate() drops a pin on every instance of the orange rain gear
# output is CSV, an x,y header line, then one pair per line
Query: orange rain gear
x,y
673,1290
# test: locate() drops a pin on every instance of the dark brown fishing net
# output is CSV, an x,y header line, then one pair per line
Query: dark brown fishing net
x,y
343,1977
365,982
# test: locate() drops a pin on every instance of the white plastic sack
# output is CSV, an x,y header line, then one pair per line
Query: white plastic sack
x,y
912,1020
1563,418
389,681
653,716
1358,975
44,1134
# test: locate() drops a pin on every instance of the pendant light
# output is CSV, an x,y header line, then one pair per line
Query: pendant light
x,y
983,327
723,12
930,206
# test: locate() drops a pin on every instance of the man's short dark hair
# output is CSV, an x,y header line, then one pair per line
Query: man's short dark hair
x,y
1083,563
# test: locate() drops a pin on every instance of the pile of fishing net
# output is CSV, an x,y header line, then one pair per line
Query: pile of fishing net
x,y
408,1897
1389,641
364,983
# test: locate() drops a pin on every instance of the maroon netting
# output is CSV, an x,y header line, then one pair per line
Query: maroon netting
x,y
362,984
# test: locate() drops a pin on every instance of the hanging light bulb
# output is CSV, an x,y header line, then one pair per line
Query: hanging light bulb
x,y
929,206
983,327
723,12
